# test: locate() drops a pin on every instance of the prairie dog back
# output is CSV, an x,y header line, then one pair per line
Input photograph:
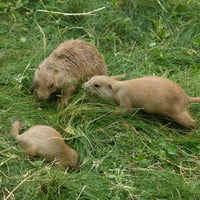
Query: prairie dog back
x,y
44,141
156,95
71,62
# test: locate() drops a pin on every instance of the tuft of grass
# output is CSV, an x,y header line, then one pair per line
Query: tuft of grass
x,y
122,155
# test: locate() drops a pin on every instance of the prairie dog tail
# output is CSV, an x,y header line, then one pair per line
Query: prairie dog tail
x,y
16,128
194,100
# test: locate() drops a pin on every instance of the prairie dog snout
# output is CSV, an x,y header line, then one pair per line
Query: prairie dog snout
x,y
44,141
153,94
71,62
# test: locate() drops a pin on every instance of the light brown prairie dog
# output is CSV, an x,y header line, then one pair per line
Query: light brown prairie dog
x,y
153,94
71,62
44,141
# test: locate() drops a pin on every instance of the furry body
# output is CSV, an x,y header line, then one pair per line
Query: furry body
x,y
44,141
71,62
156,95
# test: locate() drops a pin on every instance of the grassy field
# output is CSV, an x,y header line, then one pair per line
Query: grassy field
x,y
123,156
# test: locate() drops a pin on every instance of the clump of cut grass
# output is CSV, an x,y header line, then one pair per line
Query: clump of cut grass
x,y
122,155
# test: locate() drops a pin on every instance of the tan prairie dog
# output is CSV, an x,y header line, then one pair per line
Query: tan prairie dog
x,y
156,95
45,142
71,62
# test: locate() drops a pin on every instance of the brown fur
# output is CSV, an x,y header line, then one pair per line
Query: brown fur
x,y
156,95
71,62
44,141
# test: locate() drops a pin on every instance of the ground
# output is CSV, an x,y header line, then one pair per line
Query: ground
x,y
122,155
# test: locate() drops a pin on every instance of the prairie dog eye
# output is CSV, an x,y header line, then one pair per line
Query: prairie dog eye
x,y
96,85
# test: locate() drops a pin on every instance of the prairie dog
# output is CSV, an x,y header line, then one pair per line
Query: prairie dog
x,y
71,62
44,141
156,95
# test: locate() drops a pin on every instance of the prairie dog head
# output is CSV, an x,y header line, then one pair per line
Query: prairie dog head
x,y
102,86
47,81
72,158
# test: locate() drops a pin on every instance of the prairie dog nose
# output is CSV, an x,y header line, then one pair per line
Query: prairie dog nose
x,y
85,85
43,95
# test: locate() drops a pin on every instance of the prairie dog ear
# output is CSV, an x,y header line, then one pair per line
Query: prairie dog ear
x,y
119,77
110,87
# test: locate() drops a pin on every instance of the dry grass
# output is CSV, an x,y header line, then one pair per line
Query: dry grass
x,y
123,156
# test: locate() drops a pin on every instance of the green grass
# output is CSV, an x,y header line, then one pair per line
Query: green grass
x,y
123,156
